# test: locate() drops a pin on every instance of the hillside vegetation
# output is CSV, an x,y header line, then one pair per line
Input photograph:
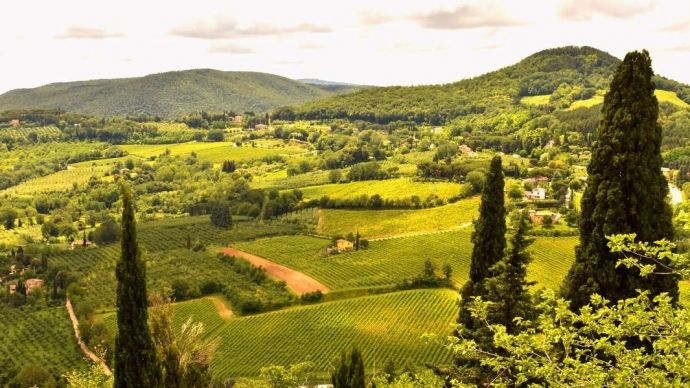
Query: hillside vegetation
x,y
170,94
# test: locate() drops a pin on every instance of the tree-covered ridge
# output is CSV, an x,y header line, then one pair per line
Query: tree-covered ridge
x,y
170,94
567,74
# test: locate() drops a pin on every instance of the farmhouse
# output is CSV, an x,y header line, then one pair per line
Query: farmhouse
x,y
344,245
14,123
12,288
536,193
466,150
237,119
537,180
33,284
537,217
259,127
77,244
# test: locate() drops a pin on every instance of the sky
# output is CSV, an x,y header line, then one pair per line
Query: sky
x,y
372,42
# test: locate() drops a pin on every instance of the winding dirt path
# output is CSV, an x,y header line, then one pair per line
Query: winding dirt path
x,y
222,309
85,349
298,282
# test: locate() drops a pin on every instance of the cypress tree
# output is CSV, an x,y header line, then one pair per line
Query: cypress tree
x,y
626,191
350,371
488,237
508,288
135,358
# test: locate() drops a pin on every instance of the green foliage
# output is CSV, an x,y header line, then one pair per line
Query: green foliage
x,y
349,372
488,237
626,191
171,94
295,375
107,232
136,364
220,215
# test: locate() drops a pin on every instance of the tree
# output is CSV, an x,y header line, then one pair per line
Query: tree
x,y
186,359
136,363
334,176
349,373
8,216
477,179
220,215
488,237
32,375
215,135
107,232
508,288
626,191
590,348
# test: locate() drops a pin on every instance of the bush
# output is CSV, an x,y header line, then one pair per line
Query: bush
x,y
107,232
311,297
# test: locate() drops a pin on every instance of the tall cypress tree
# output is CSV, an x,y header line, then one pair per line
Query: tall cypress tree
x,y
626,192
135,358
488,238
508,288
489,245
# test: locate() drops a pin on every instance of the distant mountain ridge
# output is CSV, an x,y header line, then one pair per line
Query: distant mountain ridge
x,y
333,86
169,94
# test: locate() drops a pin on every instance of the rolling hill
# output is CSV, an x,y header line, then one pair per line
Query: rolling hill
x,y
553,78
169,95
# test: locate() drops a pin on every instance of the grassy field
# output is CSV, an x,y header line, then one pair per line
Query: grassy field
x,y
388,189
214,152
39,336
59,181
536,100
280,180
387,262
385,223
661,95
319,333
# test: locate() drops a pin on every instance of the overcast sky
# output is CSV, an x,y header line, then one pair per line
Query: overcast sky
x,y
376,42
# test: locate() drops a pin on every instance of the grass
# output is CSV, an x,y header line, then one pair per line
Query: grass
x,y
319,333
39,336
392,189
387,262
661,95
214,152
536,100
386,223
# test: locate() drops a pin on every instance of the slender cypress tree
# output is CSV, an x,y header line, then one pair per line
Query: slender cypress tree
x,y
350,371
508,288
135,358
489,238
626,191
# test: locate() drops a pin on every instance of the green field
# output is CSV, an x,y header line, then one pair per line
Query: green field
x,y
39,336
214,152
386,223
536,100
22,133
319,333
62,180
661,95
392,189
387,262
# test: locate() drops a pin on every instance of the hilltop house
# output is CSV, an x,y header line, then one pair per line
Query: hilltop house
x,y
33,284
536,193
344,245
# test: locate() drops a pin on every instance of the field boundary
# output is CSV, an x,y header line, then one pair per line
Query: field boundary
x,y
298,282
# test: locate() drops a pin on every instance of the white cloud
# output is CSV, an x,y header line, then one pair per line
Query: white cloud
x,y
79,32
586,9
228,27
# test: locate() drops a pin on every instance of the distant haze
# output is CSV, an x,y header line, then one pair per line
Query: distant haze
x,y
363,42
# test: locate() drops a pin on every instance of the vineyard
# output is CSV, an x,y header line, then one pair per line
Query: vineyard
x,y
387,262
63,180
39,336
163,243
319,333
214,152
45,134
392,189
386,223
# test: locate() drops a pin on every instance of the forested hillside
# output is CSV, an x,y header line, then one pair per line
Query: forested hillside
x,y
170,94
562,76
